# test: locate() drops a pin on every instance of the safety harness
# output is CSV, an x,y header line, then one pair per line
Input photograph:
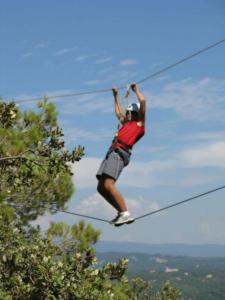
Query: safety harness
x,y
117,143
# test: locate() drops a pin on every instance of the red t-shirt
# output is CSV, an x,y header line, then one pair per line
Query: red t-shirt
x,y
129,133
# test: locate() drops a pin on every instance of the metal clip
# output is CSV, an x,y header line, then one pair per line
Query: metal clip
x,y
127,91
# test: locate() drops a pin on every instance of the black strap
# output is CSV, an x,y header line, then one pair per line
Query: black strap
x,y
127,147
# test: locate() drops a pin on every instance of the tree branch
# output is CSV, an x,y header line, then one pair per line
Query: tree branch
x,y
19,156
12,157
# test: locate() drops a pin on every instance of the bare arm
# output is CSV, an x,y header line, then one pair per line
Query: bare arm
x,y
142,101
118,108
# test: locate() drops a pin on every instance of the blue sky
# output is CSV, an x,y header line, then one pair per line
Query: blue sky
x,y
50,48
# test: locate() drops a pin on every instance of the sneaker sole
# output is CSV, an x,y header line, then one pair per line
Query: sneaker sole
x,y
128,222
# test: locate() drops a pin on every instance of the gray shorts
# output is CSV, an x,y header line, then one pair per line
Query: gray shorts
x,y
114,162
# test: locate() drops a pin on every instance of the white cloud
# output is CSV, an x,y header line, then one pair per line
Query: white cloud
x,y
83,57
140,205
211,155
83,104
150,174
80,58
120,77
106,70
96,205
163,77
104,60
145,174
150,149
195,178
85,171
21,97
202,100
114,76
128,62
87,104
194,100
157,65
77,134
137,174
205,136
65,51
92,82
41,45
28,54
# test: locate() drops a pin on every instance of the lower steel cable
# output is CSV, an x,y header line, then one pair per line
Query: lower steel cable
x,y
137,218
150,213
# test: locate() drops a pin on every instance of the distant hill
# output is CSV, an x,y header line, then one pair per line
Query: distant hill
x,y
199,278
193,250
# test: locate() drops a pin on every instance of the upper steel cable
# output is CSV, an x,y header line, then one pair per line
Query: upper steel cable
x,y
138,82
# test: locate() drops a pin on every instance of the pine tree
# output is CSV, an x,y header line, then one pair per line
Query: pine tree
x,y
35,172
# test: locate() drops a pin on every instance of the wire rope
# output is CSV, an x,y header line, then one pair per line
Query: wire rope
x,y
98,91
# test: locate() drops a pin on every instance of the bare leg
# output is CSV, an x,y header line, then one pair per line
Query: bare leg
x,y
106,195
106,187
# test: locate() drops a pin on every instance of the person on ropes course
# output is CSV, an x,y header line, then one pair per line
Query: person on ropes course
x,y
132,128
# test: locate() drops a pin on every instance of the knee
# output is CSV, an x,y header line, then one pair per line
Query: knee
x,y
108,185
105,185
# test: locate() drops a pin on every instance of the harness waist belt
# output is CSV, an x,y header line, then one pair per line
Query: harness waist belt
x,y
126,147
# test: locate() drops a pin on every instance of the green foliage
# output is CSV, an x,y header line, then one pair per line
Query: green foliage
x,y
4,295
168,292
141,289
35,174
35,166
73,237
58,266
35,267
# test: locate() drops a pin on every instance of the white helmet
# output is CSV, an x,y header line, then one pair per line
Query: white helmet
x,y
133,107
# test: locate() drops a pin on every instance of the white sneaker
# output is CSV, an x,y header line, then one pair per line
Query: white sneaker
x,y
122,218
